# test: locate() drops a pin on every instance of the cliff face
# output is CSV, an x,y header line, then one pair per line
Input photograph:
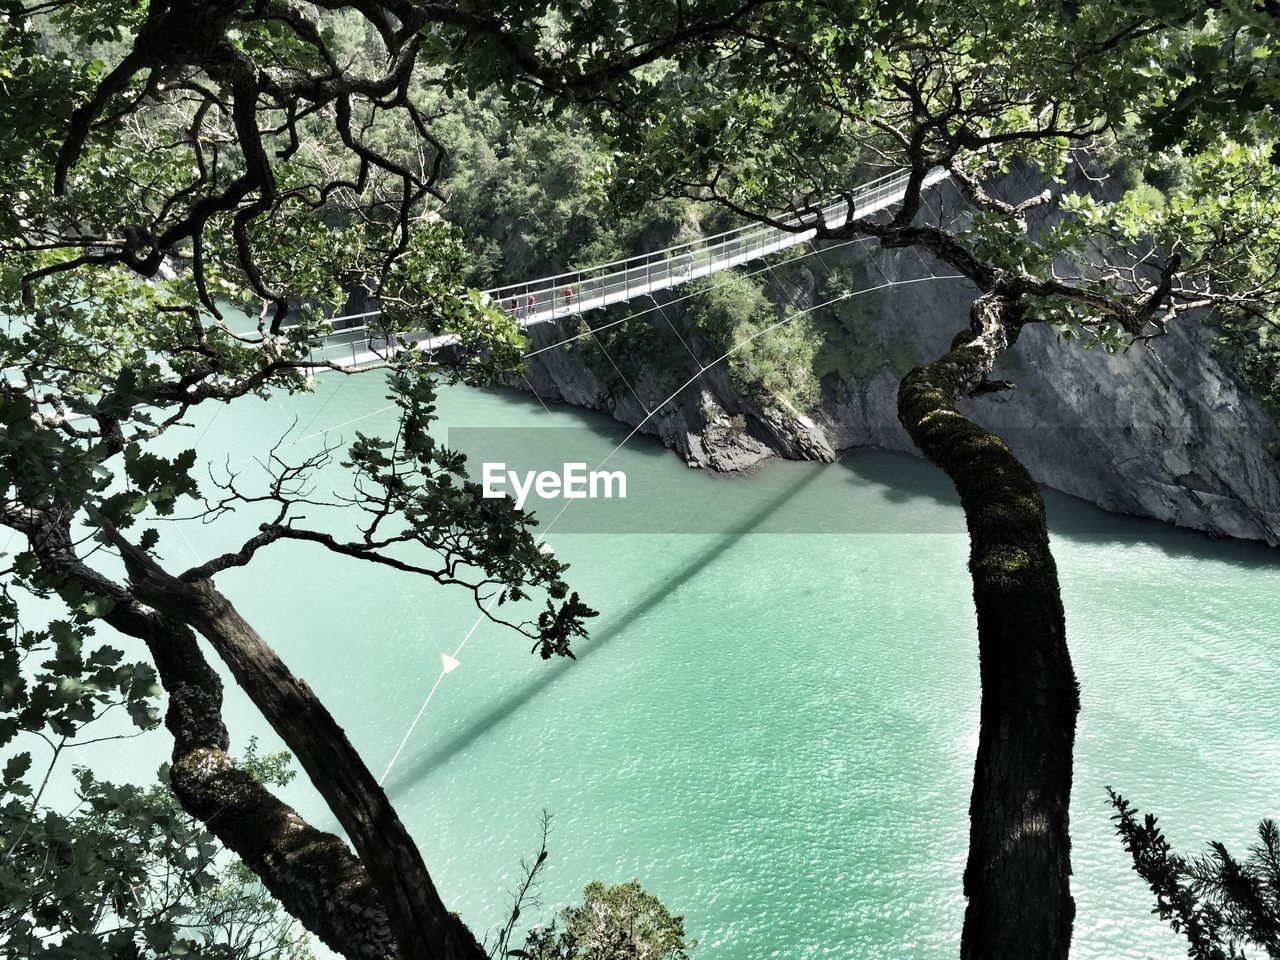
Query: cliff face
x,y
1166,431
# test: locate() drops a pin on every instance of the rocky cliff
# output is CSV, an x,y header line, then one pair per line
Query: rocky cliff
x,y
1167,430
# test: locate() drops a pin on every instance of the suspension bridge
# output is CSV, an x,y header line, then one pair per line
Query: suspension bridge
x,y
357,341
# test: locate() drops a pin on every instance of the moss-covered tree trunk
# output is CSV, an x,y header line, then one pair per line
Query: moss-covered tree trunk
x,y
422,926
312,873
383,904
1017,880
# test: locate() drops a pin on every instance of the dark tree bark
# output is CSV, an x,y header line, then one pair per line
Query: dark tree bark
x,y
312,873
1017,880
419,921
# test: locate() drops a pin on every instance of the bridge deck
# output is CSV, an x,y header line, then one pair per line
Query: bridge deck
x,y
355,343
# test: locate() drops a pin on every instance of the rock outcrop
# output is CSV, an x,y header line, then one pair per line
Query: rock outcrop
x,y
1167,430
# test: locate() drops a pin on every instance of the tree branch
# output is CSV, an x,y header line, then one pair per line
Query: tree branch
x,y
422,925
312,873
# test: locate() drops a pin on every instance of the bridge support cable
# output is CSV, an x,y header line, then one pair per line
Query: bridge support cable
x,y
535,393
578,291
560,343
613,363
679,336
657,306
681,299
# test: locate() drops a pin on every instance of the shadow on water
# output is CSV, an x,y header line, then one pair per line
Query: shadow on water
x,y
440,754
906,479
903,477
1081,522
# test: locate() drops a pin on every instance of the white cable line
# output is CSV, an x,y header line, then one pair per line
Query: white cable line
x,y
781,290
408,733
580,312
872,193
190,548
435,686
315,416
614,365
702,368
560,343
638,313
924,263
821,259
689,296
534,392
210,424
738,346
479,620
670,280
688,349
937,214
321,433
636,429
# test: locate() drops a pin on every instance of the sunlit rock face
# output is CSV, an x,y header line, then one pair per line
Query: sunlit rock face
x,y
1167,430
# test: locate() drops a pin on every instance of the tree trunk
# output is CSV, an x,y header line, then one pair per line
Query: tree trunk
x,y
312,873
423,927
1017,879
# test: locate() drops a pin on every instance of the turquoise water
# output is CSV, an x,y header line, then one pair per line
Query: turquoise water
x,y
771,727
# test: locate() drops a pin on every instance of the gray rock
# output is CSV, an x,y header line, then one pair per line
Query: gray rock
x,y
1166,431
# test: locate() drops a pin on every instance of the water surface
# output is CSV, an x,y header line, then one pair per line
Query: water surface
x,y
772,727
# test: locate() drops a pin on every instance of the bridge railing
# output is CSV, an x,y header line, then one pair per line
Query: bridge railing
x,y
576,291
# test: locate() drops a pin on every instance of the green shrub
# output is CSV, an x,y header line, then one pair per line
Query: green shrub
x,y
771,358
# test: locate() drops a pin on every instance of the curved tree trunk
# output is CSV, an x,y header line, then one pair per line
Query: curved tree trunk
x,y
423,926
363,908
419,921
312,873
1017,880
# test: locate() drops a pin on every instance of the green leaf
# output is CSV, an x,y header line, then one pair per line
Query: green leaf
x,y
97,607
15,768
